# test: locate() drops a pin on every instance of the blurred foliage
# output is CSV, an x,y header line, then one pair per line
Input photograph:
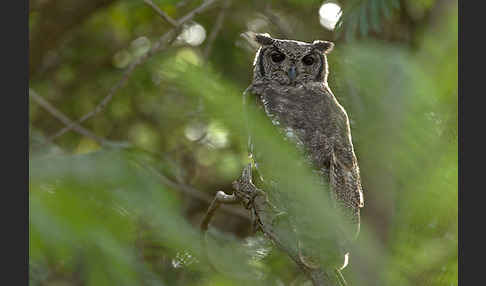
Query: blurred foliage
x,y
128,212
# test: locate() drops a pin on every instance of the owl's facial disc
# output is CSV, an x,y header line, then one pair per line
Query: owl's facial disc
x,y
300,65
292,63
289,62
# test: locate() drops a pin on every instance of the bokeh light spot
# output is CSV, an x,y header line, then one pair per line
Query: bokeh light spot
x,y
329,15
217,136
193,35
195,131
122,59
140,46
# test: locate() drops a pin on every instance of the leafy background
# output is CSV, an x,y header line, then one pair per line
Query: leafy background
x,y
123,207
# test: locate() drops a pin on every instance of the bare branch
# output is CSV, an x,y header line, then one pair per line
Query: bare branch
x,y
161,13
162,44
263,212
193,192
56,19
217,27
195,12
62,117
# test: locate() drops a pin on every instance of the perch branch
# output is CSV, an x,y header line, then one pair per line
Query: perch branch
x,y
164,180
220,198
256,201
162,44
187,189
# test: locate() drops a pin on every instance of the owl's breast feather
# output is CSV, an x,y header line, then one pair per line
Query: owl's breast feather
x,y
304,116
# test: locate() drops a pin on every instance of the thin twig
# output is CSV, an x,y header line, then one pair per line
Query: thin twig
x,y
162,44
195,12
62,117
169,37
161,13
193,192
259,205
216,29
166,181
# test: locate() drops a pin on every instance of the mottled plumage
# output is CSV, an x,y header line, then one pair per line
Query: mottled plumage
x,y
290,84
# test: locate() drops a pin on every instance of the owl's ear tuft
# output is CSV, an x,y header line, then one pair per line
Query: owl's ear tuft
x,y
264,39
323,46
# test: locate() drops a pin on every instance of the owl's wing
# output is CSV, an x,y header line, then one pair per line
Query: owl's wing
x,y
345,181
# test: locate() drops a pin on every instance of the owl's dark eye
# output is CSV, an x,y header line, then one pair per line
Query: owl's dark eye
x,y
277,57
308,60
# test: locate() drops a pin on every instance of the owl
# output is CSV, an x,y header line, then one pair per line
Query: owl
x,y
290,85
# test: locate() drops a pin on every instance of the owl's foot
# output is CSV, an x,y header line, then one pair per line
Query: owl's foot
x,y
220,198
244,188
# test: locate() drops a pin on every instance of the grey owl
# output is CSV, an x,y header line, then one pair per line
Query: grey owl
x,y
290,85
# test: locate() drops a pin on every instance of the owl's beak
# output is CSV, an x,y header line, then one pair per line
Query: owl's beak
x,y
292,73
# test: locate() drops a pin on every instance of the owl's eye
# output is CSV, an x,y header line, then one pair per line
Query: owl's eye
x,y
277,57
308,60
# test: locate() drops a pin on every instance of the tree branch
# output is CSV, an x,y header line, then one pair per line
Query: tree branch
x,y
220,198
162,44
161,13
189,190
264,214
164,180
62,117
195,12
56,18
217,27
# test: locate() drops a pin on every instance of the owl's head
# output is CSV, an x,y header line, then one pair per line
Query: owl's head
x,y
288,62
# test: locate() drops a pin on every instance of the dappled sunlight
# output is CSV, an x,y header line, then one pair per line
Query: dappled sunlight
x,y
195,131
217,136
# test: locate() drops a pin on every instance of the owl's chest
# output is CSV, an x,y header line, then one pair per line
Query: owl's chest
x,y
306,121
